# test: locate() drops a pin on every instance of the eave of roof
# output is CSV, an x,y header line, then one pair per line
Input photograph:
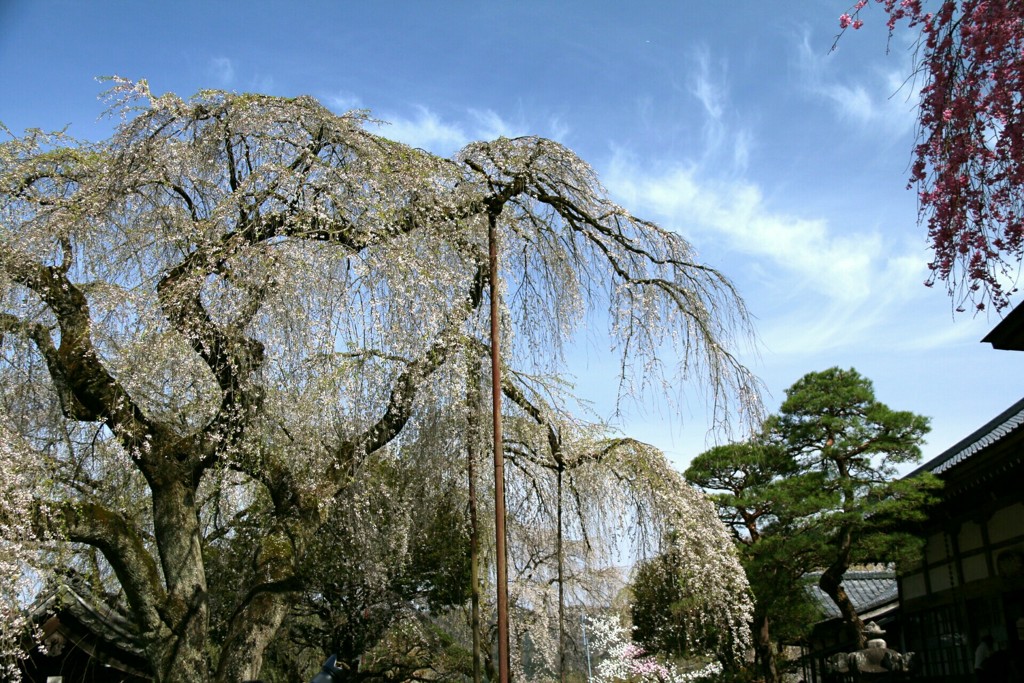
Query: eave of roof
x,y
100,619
996,429
1008,335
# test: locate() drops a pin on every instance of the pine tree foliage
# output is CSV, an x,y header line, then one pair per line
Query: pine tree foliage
x,y
817,490
852,443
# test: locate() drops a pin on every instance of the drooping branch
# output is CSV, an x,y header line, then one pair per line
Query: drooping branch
x,y
400,402
655,288
968,159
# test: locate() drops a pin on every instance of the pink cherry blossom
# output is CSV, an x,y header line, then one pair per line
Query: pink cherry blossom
x,y
968,166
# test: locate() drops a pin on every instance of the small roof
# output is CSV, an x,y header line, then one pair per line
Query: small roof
x,y
101,631
97,617
871,592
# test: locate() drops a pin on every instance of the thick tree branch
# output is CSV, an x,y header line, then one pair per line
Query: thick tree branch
x,y
124,549
87,388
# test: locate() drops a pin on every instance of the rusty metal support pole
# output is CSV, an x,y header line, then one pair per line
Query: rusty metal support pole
x,y
474,422
499,460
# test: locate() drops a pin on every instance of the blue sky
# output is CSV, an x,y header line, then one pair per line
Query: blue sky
x,y
731,123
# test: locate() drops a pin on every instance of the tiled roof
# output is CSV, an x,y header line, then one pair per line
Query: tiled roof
x,y
106,622
868,590
1007,422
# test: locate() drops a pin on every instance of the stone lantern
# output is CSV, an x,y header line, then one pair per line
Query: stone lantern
x,y
876,662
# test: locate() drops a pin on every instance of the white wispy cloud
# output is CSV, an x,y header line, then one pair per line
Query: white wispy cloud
x,y
342,102
487,125
428,130
965,332
882,97
829,285
742,142
558,129
735,211
877,317
707,88
222,70
263,83
724,136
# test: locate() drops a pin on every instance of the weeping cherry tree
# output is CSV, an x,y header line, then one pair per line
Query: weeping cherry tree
x,y
235,299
